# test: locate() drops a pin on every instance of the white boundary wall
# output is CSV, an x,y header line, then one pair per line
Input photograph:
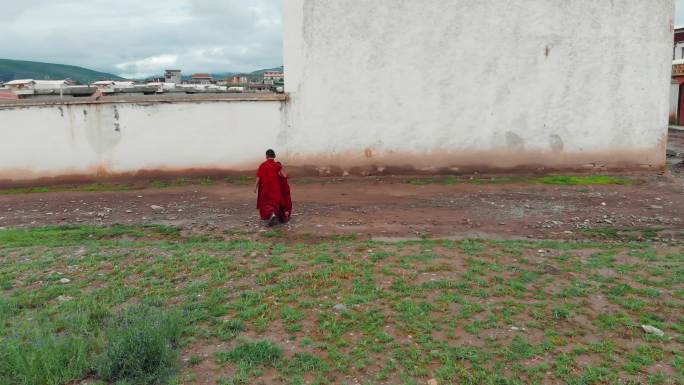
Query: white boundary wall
x,y
500,84
115,138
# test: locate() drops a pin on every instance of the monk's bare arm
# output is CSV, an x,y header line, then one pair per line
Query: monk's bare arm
x,y
256,186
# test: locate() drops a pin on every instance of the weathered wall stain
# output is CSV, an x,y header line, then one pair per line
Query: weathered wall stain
x,y
514,142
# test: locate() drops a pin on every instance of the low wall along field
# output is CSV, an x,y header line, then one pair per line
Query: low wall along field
x,y
110,139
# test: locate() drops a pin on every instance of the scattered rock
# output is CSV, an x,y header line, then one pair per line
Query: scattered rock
x,y
656,207
653,330
129,211
64,280
340,308
65,298
157,208
432,382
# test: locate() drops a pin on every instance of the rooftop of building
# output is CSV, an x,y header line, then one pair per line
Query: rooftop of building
x,y
158,98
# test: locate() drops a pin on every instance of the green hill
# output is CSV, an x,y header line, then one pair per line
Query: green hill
x,y
19,69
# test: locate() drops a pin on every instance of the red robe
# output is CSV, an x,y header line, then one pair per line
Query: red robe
x,y
286,204
269,198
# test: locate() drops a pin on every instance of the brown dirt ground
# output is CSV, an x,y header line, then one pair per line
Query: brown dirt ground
x,y
377,207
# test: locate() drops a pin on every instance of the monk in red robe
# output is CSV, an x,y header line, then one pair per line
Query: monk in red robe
x,y
273,191
286,204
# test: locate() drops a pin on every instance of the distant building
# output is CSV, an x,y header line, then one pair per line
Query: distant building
x,y
202,79
678,51
6,93
20,85
111,84
676,93
25,88
173,76
677,86
273,77
241,79
28,86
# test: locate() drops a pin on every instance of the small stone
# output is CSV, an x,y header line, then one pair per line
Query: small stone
x,y
157,208
515,328
656,207
432,382
340,308
64,280
65,298
653,330
604,204
129,211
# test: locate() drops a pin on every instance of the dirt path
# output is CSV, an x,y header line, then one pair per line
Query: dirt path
x,y
377,207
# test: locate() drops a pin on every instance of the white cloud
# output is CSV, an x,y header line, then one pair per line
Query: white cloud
x,y
141,37
144,67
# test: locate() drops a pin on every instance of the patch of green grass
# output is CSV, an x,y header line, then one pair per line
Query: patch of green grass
x,y
168,183
291,317
560,180
195,360
303,363
75,235
229,329
240,180
253,354
469,312
623,235
95,187
42,358
276,233
584,180
446,181
141,346
497,180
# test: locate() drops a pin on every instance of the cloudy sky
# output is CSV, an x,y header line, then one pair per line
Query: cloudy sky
x,y
137,38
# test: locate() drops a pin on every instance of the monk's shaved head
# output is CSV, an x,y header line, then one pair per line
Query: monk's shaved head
x,y
270,154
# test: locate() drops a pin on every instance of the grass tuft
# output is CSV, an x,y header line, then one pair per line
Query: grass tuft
x,y
253,354
42,358
142,346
